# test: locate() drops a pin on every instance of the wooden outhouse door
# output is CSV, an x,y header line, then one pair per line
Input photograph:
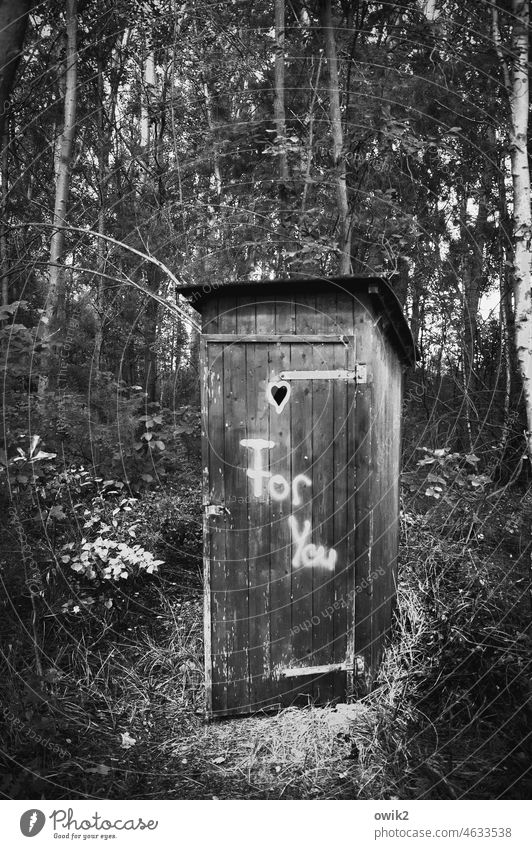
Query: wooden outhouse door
x,y
279,496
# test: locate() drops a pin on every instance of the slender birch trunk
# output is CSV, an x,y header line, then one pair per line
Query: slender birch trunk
x,y
103,168
55,298
145,103
519,103
335,114
516,82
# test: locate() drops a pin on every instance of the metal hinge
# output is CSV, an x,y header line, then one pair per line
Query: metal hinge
x,y
359,374
300,671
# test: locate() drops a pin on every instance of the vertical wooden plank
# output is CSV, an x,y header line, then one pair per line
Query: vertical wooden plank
x,y
262,685
209,314
341,522
259,536
305,313
285,316
397,458
281,545
345,305
205,463
324,357
385,442
302,418
326,312
350,504
361,426
265,315
301,464
236,572
379,480
217,525
392,430
246,319
227,313
387,517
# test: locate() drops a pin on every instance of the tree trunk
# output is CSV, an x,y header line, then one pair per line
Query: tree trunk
x,y
344,224
280,125
151,315
103,181
146,101
473,240
4,257
53,313
13,22
519,102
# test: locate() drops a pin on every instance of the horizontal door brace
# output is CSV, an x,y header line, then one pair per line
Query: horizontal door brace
x,y
279,338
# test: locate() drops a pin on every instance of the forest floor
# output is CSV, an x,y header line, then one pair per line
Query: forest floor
x,y
450,716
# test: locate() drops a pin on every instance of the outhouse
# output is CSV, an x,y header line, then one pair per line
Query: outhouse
x,y
301,408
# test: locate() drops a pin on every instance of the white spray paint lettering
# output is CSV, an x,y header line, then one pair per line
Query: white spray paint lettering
x,y
306,553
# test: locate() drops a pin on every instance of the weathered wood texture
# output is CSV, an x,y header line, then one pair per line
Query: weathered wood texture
x,y
300,562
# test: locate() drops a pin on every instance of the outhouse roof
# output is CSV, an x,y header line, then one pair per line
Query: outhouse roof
x,y
379,290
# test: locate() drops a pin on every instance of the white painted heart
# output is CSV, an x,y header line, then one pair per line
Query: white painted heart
x,y
278,394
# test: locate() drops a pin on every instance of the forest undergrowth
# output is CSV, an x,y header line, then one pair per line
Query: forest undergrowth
x,y
117,709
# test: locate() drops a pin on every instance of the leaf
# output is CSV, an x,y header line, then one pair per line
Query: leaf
x,y
10,309
472,459
42,455
127,741
34,443
100,769
56,512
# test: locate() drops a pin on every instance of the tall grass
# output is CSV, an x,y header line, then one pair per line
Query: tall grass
x,y
448,718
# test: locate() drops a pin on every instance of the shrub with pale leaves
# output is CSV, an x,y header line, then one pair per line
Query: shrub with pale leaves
x,y
109,560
